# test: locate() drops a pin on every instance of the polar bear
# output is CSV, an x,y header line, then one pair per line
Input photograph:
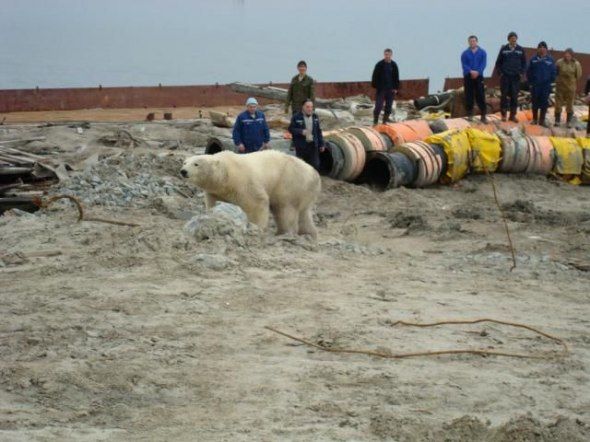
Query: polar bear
x,y
259,182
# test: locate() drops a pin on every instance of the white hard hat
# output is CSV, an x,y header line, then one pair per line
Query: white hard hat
x,y
250,101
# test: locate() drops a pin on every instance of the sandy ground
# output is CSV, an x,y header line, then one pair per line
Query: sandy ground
x,y
144,333
112,115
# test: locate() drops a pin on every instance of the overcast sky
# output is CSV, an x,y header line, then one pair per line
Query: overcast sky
x,y
69,43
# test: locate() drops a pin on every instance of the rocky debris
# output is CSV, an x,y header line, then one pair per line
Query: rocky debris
x,y
410,221
350,247
212,261
175,207
521,428
128,180
224,220
527,212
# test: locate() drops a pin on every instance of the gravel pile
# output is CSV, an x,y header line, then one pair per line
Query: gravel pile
x,y
128,180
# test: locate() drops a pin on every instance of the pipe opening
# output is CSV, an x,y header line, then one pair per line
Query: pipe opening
x,y
377,173
213,146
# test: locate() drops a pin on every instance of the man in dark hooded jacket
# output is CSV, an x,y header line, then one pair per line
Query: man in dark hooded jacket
x,y
511,65
386,80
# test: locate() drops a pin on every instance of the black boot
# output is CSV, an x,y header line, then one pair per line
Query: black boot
x,y
570,117
386,118
535,116
557,119
503,113
542,121
484,120
375,120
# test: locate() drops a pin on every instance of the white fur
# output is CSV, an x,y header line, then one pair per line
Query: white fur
x,y
260,182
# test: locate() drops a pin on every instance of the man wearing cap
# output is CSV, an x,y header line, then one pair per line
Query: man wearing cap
x,y
473,61
540,74
386,80
307,135
302,88
251,132
569,71
511,65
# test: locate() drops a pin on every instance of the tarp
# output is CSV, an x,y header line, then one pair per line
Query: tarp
x,y
568,154
485,150
457,149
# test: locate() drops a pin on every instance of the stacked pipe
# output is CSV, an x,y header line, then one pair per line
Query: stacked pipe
x,y
419,153
417,156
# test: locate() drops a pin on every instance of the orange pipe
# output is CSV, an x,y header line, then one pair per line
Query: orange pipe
x,y
457,123
370,138
420,127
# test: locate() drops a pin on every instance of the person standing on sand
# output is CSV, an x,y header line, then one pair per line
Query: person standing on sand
x,y
307,135
540,74
250,133
473,61
569,71
302,88
511,65
385,80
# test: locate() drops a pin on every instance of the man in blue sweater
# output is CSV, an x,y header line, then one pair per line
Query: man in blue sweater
x,y
511,65
474,60
307,135
251,132
540,74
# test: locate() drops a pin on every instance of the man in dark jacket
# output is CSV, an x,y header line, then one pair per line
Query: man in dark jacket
x,y
386,80
473,61
302,88
251,132
307,135
540,74
511,65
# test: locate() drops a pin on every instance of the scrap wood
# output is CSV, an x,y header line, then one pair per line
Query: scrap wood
x,y
21,141
81,215
385,355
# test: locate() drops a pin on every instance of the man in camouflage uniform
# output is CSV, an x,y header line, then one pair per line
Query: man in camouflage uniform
x,y
302,88
569,71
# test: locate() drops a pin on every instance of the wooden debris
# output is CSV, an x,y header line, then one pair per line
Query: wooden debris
x,y
220,119
274,93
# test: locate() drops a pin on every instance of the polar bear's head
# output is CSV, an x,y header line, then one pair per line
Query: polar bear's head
x,y
205,171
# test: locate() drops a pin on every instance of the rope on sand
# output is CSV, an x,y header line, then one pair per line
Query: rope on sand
x,y
385,355
46,203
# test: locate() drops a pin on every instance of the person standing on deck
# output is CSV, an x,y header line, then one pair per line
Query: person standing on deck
x,y
302,88
385,80
569,71
473,61
541,74
511,65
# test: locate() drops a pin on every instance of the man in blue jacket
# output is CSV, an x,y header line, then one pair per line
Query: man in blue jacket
x,y
511,65
307,135
251,132
386,80
541,74
473,61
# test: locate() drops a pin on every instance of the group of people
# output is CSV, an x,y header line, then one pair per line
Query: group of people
x,y
541,72
251,133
